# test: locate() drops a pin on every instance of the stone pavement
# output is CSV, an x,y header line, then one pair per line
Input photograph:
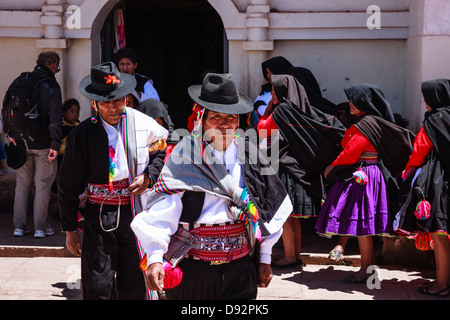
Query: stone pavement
x,y
57,278
42,269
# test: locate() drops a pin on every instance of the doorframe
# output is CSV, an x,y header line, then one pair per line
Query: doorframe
x,y
226,10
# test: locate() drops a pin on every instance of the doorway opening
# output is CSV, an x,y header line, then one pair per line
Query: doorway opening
x,y
176,41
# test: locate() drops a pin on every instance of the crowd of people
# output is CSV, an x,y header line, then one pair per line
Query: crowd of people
x,y
197,217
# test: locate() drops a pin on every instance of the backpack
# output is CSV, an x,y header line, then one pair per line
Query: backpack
x,y
20,107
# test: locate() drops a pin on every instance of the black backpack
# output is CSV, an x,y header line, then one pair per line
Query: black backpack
x,y
20,107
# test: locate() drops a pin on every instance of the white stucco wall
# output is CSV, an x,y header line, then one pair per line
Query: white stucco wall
x,y
341,63
328,37
427,57
79,66
16,55
336,64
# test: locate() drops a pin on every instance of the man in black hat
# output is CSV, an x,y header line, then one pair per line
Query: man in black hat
x,y
105,173
213,213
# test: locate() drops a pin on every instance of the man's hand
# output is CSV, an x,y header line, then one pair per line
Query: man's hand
x,y
155,277
264,275
73,243
140,184
13,141
52,154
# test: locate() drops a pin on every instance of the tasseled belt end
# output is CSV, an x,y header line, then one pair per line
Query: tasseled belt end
x,y
172,277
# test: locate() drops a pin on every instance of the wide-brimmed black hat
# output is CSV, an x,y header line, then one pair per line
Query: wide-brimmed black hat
x,y
106,83
218,93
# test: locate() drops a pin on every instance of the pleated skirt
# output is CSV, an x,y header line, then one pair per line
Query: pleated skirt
x,y
355,209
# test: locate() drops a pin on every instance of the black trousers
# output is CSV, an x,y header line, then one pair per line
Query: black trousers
x,y
229,281
110,260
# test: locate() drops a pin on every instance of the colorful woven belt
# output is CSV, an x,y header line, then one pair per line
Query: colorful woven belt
x,y
100,194
369,157
216,244
220,244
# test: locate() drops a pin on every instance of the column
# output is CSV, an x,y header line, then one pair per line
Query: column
x,y
257,44
52,19
427,53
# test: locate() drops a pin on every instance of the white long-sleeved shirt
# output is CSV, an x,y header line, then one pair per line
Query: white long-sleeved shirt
x,y
155,226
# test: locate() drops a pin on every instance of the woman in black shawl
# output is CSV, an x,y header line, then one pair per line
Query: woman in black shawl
x,y
310,141
359,202
280,65
275,65
425,212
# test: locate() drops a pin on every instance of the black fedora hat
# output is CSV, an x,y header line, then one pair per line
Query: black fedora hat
x,y
218,93
106,83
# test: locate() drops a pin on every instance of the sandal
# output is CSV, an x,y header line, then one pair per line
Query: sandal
x,y
335,255
424,290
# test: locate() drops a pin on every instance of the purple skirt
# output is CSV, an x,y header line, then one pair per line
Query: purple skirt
x,y
356,210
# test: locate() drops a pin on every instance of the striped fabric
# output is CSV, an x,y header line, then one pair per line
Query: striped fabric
x,y
100,194
369,157
212,243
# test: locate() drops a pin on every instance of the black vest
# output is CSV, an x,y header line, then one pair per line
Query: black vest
x,y
140,81
192,206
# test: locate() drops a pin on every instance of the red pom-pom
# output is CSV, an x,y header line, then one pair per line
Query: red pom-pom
x,y
173,276
422,211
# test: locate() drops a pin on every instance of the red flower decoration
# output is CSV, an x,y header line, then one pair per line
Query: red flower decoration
x,y
111,79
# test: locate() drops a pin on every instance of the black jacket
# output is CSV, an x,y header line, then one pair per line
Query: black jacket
x,y
86,160
50,112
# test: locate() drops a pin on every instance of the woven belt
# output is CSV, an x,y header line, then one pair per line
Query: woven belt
x,y
369,157
216,244
220,244
100,194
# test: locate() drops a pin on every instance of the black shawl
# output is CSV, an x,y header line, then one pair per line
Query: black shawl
x,y
309,82
433,179
430,182
437,122
280,65
393,143
313,137
370,99
276,65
